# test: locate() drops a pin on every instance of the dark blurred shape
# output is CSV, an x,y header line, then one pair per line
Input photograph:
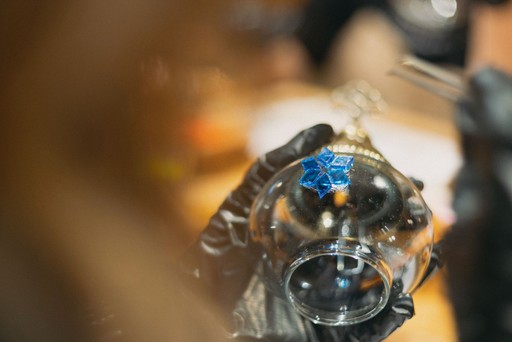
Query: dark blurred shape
x,y
434,30
479,248
87,239
321,22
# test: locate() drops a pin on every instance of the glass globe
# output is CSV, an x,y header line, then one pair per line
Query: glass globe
x,y
334,246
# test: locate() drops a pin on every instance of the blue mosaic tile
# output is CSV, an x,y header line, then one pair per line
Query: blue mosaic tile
x,y
309,177
342,162
325,157
310,163
326,172
338,177
323,185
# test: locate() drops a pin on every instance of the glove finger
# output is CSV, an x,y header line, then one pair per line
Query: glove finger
x,y
401,310
300,146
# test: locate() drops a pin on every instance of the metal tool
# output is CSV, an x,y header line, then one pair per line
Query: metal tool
x,y
435,79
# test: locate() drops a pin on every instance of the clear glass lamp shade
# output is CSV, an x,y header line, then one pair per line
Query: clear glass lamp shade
x,y
335,255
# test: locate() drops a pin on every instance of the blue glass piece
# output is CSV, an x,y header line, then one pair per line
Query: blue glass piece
x,y
342,282
342,162
326,172
323,185
338,177
310,164
325,157
309,178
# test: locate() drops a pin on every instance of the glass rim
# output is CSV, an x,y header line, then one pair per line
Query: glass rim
x,y
337,318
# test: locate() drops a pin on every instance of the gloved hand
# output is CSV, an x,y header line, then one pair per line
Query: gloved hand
x,y
479,246
225,262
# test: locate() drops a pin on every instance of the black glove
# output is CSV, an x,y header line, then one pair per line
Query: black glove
x,y
479,247
222,258
225,262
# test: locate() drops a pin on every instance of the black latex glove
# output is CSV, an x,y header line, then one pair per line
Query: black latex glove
x,y
479,247
224,261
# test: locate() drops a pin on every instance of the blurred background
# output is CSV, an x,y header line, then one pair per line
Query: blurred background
x,y
125,125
